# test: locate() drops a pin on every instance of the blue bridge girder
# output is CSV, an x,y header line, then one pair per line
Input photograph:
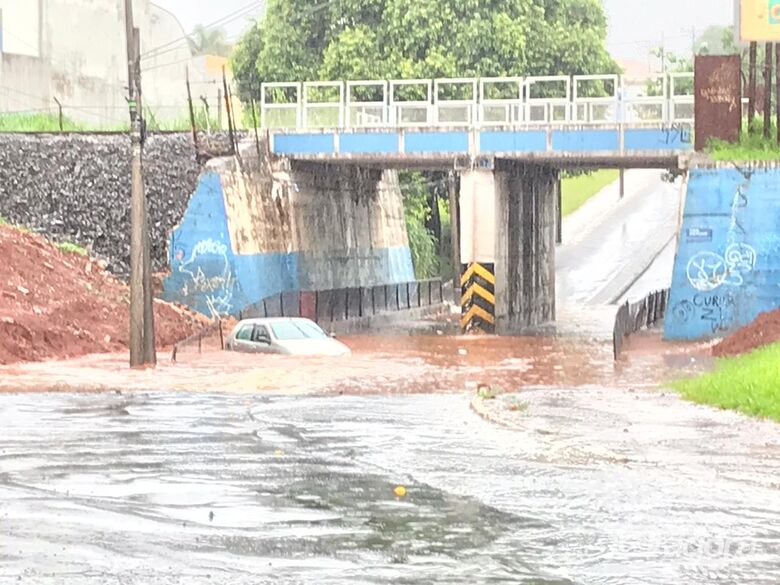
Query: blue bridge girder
x,y
594,120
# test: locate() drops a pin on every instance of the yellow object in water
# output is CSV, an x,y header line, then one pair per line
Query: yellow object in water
x,y
400,491
278,452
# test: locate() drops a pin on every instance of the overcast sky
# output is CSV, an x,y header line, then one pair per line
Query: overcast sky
x,y
636,26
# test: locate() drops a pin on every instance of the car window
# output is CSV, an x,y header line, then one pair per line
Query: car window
x,y
245,333
311,329
260,334
296,330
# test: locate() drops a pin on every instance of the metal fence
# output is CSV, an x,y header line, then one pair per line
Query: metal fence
x,y
197,339
633,317
578,99
327,306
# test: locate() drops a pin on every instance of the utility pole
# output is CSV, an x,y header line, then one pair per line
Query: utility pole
x,y
768,91
752,85
142,343
777,82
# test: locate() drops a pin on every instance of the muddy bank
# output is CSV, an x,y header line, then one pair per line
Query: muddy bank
x,y
61,305
765,330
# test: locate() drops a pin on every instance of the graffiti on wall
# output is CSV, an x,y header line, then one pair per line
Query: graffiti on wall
x,y
708,271
677,133
208,273
715,311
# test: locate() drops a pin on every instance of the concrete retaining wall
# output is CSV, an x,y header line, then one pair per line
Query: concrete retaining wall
x,y
727,269
253,231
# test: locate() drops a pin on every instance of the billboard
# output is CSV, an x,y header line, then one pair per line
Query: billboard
x,y
758,20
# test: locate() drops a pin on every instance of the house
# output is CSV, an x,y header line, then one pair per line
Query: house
x,y
74,52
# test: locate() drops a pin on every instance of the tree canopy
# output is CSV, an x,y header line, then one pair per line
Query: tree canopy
x,y
204,41
407,39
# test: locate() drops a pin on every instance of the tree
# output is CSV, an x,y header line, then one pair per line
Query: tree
x,y
364,39
204,41
716,40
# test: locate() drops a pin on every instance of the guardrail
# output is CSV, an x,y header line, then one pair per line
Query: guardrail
x,y
327,306
633,317
579,99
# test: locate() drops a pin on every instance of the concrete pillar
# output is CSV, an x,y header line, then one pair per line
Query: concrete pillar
x,y
508,233
478,198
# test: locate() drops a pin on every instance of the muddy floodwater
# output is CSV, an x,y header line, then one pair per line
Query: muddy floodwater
x,y
201,488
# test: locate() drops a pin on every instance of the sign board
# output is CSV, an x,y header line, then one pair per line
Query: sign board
x,y
758,20
717,98
697,234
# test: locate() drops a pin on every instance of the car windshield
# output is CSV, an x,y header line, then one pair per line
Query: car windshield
x,y
296,330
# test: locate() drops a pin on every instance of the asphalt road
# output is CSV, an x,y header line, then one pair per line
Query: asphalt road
x,y
195,488
604,257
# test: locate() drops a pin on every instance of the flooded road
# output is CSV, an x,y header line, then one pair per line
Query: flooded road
x,y
202,488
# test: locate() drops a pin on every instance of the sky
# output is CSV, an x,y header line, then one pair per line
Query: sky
x,y
635,26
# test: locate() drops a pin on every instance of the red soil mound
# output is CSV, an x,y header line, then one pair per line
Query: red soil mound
x,y
763,331
58,305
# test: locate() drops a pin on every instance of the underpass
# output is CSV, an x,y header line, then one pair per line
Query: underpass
x,y
508,141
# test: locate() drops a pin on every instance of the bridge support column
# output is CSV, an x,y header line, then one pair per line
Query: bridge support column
x,y
508,233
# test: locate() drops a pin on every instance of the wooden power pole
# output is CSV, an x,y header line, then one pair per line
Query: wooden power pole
x,y
777,82
752,85
768,91
142,343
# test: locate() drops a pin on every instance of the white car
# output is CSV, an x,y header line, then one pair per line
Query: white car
x,y
285,336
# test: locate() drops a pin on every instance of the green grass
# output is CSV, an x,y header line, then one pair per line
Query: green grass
x,y
36,123
751,146
578,189
71,248
749,384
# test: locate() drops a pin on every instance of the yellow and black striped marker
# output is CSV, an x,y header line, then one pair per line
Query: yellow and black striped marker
x,y
478,303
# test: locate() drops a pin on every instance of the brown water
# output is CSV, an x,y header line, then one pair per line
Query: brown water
x,y
397,364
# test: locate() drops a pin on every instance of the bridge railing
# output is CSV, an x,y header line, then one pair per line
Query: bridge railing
x,y
470,102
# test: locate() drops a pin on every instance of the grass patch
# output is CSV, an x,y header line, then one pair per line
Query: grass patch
x,y
575,191
71,248
36,123
749,384
751,146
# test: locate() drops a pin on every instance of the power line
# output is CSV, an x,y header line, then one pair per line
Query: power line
x,y
21,40
157,51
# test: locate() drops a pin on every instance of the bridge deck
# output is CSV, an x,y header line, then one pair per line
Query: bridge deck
x,y
583,120
624,145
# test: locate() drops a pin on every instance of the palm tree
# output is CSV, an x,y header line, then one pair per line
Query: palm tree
x,y
204,41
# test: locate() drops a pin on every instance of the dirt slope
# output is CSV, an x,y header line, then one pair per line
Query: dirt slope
x,y
56,305
763,331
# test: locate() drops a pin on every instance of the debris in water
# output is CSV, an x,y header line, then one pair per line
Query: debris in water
x,y
400,491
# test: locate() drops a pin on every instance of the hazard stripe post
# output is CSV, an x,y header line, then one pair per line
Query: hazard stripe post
x,y
478,300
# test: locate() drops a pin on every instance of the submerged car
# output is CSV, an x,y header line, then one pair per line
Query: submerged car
x,y
285,336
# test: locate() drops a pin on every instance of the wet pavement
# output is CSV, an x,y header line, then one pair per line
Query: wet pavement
x,y
203,488
610,243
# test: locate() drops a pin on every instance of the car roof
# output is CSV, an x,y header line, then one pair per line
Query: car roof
x,y
271,320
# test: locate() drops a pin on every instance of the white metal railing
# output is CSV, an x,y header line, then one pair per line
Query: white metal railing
x,y
476,102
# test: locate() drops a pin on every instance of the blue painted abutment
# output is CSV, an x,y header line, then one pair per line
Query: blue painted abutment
x,y
727,268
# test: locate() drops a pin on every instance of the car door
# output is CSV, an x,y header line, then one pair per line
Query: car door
x,y
243,339
261,340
